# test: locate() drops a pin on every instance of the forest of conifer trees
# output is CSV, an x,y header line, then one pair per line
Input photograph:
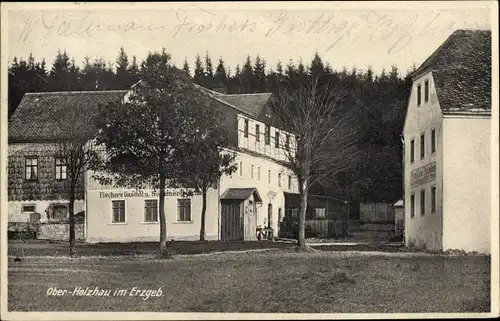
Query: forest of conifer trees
x,y
379,100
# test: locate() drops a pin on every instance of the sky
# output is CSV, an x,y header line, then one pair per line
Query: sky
x,y
344,34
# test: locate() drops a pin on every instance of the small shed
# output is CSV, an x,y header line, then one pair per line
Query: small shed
x,y
239,214
399,218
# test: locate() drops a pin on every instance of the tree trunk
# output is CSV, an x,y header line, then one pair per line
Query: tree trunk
x,y
302,214
163,221
72,221
203,214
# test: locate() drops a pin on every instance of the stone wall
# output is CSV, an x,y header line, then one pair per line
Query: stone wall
x,y
59,232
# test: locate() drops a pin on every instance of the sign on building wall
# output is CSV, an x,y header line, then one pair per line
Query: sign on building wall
x,y
179,193
423,174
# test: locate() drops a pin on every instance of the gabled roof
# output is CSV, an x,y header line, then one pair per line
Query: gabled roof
x,y
251,104
241,194
399,203
39,115
461,68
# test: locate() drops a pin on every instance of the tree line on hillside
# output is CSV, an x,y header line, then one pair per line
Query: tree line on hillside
x,y
379,101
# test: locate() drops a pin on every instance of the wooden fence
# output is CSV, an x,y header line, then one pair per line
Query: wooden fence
x,y
376,213
316,228
327,228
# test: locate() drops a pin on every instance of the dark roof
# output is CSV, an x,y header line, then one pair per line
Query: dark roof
x,y
251,104
461,67
38,116
241,194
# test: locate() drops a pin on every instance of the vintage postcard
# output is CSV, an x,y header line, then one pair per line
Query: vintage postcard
x,y
240,160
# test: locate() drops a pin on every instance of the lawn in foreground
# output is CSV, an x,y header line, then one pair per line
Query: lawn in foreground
x,y
61,248
277,281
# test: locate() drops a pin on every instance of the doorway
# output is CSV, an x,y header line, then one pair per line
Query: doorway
x,y
269,215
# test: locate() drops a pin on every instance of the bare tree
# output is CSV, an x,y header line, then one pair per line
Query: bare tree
x,y
325,135
74,155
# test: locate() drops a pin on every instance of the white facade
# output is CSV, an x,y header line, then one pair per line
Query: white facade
x,y
447,191
138,220
114,214
260,165
467,188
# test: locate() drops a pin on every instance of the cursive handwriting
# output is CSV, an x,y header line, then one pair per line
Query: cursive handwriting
x,y
370,26
221,24
83,26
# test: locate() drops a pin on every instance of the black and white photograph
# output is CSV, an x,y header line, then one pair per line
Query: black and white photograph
x,y
249,160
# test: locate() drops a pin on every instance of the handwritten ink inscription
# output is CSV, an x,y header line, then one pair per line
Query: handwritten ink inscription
x,y
373,25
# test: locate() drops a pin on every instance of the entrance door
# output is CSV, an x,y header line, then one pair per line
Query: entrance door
x,y
269,215
231,220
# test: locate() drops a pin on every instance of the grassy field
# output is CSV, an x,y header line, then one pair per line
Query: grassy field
x,y
274,281
59,248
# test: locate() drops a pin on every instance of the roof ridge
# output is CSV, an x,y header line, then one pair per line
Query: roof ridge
x,y
76,92
249,94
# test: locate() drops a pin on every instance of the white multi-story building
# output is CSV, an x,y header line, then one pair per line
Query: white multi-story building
x,y
252,196
447,173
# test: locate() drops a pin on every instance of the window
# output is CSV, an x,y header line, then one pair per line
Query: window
x,y
426,91
412,151
257,133
279,179
268,111
28,208
422,146
320,212
241,168
287,142
150,211
246,128
419,95
184,210
433,141
267,135
292,212
289,182
269,176
31,168
258,173
118,211
61,169
433,199
412,203
251,172
277,140
422,202
59,212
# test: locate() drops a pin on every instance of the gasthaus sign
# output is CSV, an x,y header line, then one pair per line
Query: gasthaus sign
x,y
141,193
423,174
